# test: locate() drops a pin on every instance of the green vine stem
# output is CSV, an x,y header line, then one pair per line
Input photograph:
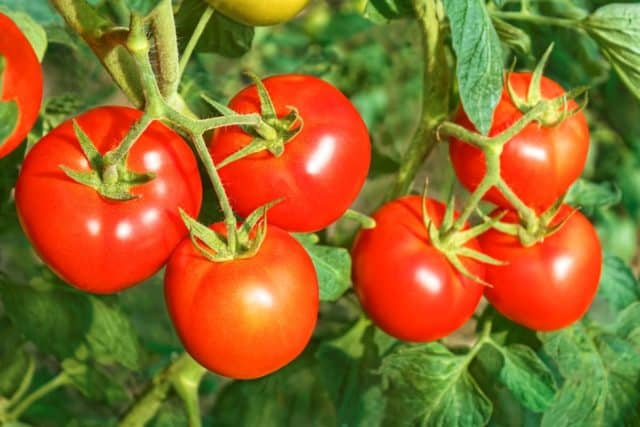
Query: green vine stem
x,y
195,38
147,405
186,383
537,19
25,383
163,26
435,94
59,380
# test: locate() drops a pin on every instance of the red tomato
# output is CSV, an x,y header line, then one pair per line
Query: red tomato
x,y
549,285
322,169
95,244
408,287
539,163
244,318
21,81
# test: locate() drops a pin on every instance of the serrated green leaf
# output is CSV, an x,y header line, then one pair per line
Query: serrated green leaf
x,y
527,377
479,59
221,35
34,32
615,28
348,364
142,7
601,373
618,285
333,266
593,195
431,386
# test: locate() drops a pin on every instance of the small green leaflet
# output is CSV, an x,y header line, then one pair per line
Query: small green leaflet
x,y
589,195
618,285
480,61
615,28
430,386
601,372
8,110
332,264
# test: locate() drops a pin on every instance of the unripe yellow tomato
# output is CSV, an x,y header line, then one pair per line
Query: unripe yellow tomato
x,y
259,12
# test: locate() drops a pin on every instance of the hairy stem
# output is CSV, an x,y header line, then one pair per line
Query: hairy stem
x,y
435,96
164,33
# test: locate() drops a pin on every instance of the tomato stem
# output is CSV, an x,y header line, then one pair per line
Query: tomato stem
x,y
25,383
59,380
166,42
195,38
537,19
435,96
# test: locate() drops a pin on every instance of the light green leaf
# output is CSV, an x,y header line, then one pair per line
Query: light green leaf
x,y
528,378
615,28
332,264
431,386
601,373
480,62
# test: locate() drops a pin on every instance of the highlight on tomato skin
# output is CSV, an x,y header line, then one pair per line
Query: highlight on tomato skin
x,y
98,245
246,318
21,82
540,163
322,169
408,288
550,285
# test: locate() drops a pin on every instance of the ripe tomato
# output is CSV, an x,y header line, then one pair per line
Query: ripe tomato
x,y
100,245
539,163
244,318
21,81
322,169
408,287
549,285
260,12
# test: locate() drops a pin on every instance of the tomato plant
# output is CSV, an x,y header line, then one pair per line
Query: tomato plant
x,y
551,284
407,286
540,162
322,168
260,12
245,318
20,83
96,244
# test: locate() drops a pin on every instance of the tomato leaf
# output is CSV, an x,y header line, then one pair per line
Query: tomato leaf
x,y
601,371
221,35
615,28
381,11
332,264
142,7
94,383
430,386
528,378
480,61
618,286
348,365
592,195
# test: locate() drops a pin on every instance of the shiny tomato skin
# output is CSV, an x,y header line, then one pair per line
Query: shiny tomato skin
x,y
322,169
260,12
244,318
21,82
550,285
540,163
99,245
407,287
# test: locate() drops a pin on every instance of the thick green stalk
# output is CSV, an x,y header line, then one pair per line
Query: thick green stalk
x,y
435,95
164,33
186,385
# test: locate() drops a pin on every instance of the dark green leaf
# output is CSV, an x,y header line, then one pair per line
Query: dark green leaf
x,y
601,373
13,359
431,386
615,28
618,285
480,61
591,195
384,10
333,266
93,383
221,35
527,377
628,320
142,7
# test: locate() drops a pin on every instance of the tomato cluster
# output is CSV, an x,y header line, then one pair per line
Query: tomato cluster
x,y
412,292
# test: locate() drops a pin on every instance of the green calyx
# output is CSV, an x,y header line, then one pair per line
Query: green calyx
x,y
8,110
271,134
109,174
551,116
218,248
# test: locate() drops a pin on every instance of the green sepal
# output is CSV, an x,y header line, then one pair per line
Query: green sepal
x,y
8,111
209,243
254,218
